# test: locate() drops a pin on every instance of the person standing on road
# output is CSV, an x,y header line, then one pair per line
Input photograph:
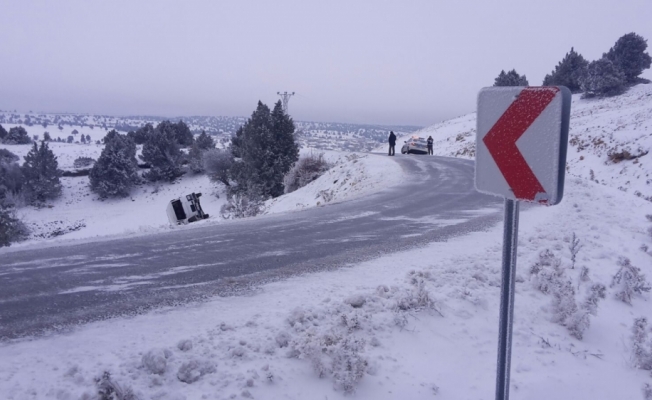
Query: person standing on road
x,y
430,145
392,142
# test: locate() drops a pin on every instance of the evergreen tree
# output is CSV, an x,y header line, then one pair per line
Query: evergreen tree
x,y
266,148
83,139
41,171
88,138
204,141
511,78
162,153
629,55
116,171
178,132
603,78
141,134
46,136
184,137
17,135
3,134
284,147
11,177
568,72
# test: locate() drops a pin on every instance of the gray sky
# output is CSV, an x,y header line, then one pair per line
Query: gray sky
x,y
388,62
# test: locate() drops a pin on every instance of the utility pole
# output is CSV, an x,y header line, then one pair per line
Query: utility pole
x,y
285,98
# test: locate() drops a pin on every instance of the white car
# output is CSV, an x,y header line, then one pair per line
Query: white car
x,y
185,210
415,145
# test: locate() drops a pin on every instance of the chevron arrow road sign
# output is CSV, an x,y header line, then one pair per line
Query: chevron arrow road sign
x,y
522,135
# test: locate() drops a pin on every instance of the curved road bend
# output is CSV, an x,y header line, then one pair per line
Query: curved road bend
x,y
53,288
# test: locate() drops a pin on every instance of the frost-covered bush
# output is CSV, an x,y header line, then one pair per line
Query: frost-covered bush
x,y
579,322
241,205
12,229
185,345
155,361
192,370
349,366
641,344
550,278
546,271
334,354
629,281
563,301
109,389
306,170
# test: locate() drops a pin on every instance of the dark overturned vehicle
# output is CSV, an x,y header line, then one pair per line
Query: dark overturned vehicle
x,y
185,210
415,145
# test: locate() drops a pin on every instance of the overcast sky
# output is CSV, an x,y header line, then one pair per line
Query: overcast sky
x,y
388,62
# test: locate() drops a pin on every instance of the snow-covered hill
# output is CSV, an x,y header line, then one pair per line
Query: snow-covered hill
x,y
420,324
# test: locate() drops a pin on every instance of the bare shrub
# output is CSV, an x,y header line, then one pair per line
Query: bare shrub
x,y
574,248
83,162
629,281
306,170
217,164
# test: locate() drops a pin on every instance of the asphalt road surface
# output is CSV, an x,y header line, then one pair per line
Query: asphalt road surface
x,y
55,288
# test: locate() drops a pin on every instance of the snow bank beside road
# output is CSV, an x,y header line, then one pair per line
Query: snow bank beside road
x,y
377,328
352,175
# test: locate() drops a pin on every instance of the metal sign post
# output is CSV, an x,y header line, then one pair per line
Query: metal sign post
x,y
522,135
510,243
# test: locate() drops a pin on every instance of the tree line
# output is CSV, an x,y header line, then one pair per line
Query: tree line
x,y
252,168
612,74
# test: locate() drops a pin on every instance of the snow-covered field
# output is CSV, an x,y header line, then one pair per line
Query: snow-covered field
x,y
416,325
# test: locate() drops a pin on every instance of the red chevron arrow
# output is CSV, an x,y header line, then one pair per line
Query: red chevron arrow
x,y
501,140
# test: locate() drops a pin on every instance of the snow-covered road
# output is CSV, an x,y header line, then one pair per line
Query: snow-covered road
x,y
59,286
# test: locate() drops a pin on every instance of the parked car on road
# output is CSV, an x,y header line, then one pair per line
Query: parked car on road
x,y
415,145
